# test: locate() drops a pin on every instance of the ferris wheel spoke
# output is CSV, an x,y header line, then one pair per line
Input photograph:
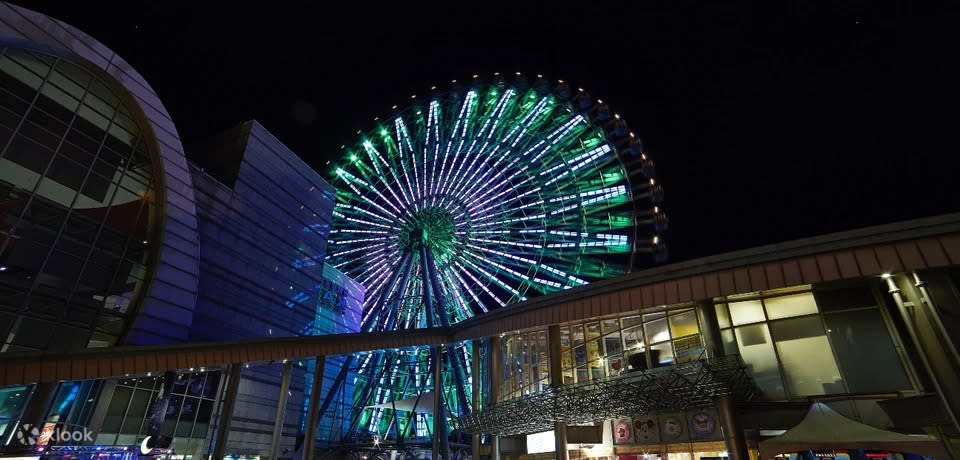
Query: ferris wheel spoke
x,y
479,304
467,256
452,301
346,211
352,180
406,154
484,137
538,151
511,140
481,285
374,154
432,142
532,268
455,140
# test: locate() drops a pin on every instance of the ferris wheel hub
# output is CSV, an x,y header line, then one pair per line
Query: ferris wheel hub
x,y
432,227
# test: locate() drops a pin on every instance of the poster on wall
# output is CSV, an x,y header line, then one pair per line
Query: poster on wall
x,y
646,430
672,427
703,424
622,431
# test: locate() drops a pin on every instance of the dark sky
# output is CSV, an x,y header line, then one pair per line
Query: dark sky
x,y
767,122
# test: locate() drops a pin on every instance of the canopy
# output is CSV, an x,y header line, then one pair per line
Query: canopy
x,y
824,429
424,406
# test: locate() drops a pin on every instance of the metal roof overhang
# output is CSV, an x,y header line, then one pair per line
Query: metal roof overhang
x,y
18,368
903,246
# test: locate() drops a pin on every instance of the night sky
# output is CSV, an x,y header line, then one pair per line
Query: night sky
x,y
767,122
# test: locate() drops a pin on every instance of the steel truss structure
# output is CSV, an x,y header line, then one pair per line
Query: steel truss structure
x,y
691,384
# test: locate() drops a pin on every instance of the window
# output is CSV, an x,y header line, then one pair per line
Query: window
x,y
788,306
526,366
756,350
805,355
866,352
829,341
63,153
746,312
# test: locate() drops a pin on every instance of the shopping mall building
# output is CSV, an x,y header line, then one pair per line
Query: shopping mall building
x,y
181,308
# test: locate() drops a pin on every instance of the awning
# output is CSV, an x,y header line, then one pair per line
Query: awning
x,y
423,406
691,384
824,429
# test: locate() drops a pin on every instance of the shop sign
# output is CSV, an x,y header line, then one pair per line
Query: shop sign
x,y
646,430
622,431
703,425
671,427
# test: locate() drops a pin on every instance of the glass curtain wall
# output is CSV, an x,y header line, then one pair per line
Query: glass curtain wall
x,y
187,418
76,205
800,344
599,349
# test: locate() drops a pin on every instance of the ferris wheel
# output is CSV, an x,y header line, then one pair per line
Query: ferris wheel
x,y
488,194
475,198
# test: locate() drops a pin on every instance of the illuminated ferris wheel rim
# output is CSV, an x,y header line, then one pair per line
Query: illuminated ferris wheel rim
x,y
633,159
464,222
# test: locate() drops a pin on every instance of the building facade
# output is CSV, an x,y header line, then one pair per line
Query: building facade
x,y
112,237
689,360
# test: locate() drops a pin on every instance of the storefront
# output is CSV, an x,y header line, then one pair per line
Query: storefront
x,y
693,434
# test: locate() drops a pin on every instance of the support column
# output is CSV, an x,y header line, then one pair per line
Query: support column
x,y
38,406
710,328
732,428
226,411
733,435
475,394
928,344
103,403
556,381
281,409
435,439
496,376
310,430
934,313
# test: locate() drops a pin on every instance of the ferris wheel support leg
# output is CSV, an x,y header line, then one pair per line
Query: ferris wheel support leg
x,y
397,299
556,381
456,360
441,445
475,393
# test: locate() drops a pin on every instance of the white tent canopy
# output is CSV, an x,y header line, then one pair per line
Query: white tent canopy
x,y
423,406
824,429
